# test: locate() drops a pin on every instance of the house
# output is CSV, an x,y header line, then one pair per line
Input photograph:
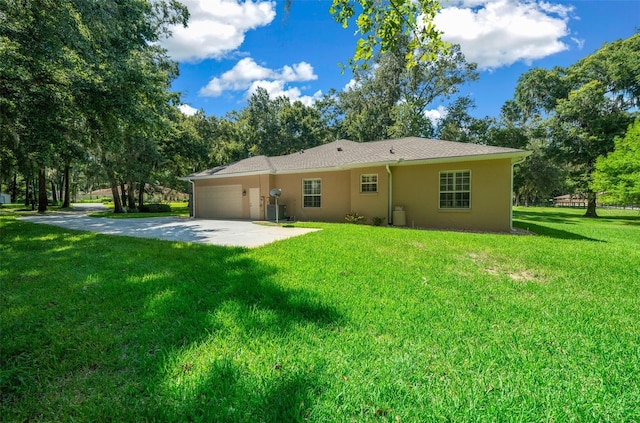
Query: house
x,y
414,181
5,198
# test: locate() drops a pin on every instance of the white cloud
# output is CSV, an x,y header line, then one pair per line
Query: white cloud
x,y
351,85
278,89
436,115
247,76
501,32
217,27
188,110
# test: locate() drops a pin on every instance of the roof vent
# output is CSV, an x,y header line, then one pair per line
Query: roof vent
x,y
391,151
339,148
301,151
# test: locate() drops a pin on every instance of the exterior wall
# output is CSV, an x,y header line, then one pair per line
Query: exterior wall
x,y
254,181
335,200
370,204
416,188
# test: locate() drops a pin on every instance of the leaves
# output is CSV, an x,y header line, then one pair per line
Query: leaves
x,y
618,174
382,23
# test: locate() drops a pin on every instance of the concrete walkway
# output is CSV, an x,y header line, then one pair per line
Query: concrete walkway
x,y
234,233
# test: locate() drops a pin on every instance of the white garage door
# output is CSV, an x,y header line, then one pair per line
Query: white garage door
x,y
223,202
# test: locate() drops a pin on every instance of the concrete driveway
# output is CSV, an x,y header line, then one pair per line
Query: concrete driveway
x,y
233,233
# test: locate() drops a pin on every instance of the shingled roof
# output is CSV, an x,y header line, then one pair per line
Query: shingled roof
x,y
345,154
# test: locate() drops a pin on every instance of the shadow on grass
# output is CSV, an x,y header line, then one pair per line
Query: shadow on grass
x,y
88,322
551,232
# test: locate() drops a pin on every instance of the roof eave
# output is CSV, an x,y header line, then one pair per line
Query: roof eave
x,y
514,156
226,175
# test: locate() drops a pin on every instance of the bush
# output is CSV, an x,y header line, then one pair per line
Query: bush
x,y
155,208
377,221
106,200
354,217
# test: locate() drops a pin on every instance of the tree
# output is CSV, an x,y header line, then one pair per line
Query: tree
x,y
391,100
583,108
618,174
382,23
77,76
276,126
583,129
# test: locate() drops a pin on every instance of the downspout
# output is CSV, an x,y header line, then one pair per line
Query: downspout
x,y
513,164
193,198
390,195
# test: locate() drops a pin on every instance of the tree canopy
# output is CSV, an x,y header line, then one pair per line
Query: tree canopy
x,y
581,109
382,24
618,174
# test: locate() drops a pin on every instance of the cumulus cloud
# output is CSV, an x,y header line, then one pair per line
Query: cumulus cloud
x,y
188,110
436,115
217,27
501,32
247,76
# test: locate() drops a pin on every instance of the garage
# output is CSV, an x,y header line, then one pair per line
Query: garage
x,y
221,202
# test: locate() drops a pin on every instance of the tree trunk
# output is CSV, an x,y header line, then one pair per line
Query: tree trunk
x,y
27,194
123,194
591,205
14,189
131,195
67,197
61,186
117,205
42,191
141,194
54,192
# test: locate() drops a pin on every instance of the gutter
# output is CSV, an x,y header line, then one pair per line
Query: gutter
x,y
390,195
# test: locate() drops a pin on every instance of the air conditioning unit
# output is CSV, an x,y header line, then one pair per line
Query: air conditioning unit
x,y
271,211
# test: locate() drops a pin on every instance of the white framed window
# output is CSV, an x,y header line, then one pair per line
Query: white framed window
x,y
311,192
369,182
455,189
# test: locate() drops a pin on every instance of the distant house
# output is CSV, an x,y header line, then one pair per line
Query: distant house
x,y
5,198
409,181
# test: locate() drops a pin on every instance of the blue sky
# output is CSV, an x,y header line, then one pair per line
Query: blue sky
x,y
233,46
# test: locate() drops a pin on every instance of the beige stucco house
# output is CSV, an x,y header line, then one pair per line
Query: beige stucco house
x,y
409,181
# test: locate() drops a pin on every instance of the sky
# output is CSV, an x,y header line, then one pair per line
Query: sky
x,y
231,47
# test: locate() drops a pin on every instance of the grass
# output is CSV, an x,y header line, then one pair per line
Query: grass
x,y
352,323
180,209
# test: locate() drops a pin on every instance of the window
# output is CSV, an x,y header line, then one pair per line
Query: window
x,y
455,190
311,192
369,183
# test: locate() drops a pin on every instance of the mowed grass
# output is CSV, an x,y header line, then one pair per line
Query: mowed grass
x,y
351,323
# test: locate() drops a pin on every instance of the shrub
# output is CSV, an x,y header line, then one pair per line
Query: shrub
x,y
377,221
155,208
354,217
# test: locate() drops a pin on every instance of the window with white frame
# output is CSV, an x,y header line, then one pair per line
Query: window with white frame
x,y
311,193
455,190
369,182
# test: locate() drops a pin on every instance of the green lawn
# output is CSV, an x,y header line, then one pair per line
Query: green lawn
x,y
351,323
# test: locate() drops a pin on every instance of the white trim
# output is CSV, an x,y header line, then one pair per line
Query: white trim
x,y
369,183
454,172
312,195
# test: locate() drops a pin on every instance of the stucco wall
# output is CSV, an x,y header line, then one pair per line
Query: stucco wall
x,y
335,200
416,188
370,204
